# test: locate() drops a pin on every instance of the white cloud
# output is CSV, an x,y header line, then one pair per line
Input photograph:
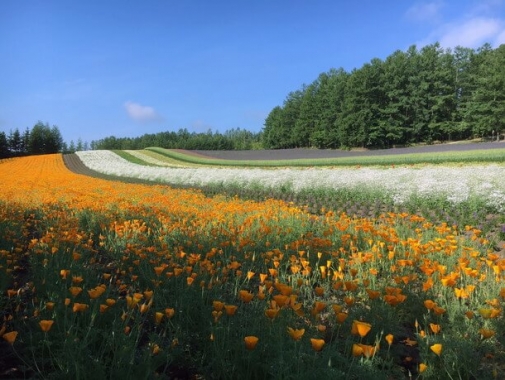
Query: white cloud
x,y
141,113
481,23
472,33
425,12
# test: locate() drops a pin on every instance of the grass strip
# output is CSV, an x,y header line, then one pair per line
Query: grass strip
x,y
474,156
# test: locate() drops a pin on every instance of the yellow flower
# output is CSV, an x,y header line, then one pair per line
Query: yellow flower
x,y
436,348
296,334
485,313
422,367
251,342
317,344
46,324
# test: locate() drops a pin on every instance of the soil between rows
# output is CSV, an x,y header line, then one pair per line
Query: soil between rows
x,y
307,153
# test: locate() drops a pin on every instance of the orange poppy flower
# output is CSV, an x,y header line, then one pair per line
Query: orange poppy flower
x,y
251,342
436,348
158,317
319,307
341,317
230,309
317,344
429,304
389,338
360,328
486,333
296,334
10,337
169,312
46,324
245,296
271,313
337,308
435,328
79,307
281,300
75,290
373,294
217,305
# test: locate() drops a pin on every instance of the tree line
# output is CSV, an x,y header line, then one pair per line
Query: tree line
x,y
414,96
41,139
234,139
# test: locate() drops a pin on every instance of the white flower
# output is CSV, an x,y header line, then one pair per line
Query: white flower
x,y
454,183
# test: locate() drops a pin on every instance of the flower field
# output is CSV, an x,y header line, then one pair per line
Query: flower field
x,y
454,183
104,279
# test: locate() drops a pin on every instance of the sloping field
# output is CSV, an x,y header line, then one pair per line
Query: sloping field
x,y
104,279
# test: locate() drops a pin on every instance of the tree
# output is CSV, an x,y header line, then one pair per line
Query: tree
x,y
45,140
15,142
4,145
486,108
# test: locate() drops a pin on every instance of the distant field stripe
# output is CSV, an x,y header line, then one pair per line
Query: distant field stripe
x,y
484,155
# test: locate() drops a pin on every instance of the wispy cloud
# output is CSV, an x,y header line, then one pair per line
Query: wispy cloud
x,y
422,12
473,33
141,113
481,24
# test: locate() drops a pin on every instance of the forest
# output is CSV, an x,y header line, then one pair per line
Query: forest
x,y
417,96
411,97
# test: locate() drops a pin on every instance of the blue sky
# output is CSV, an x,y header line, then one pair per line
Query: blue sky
x,y
98,68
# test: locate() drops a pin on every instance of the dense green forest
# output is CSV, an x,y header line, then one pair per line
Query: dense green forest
x,y
234,139
411,97
41,139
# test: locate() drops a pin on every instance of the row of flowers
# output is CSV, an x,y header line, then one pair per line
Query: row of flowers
x,y
455,183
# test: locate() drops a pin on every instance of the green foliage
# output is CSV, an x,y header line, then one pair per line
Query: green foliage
x,y
41,139
234,139
417,96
